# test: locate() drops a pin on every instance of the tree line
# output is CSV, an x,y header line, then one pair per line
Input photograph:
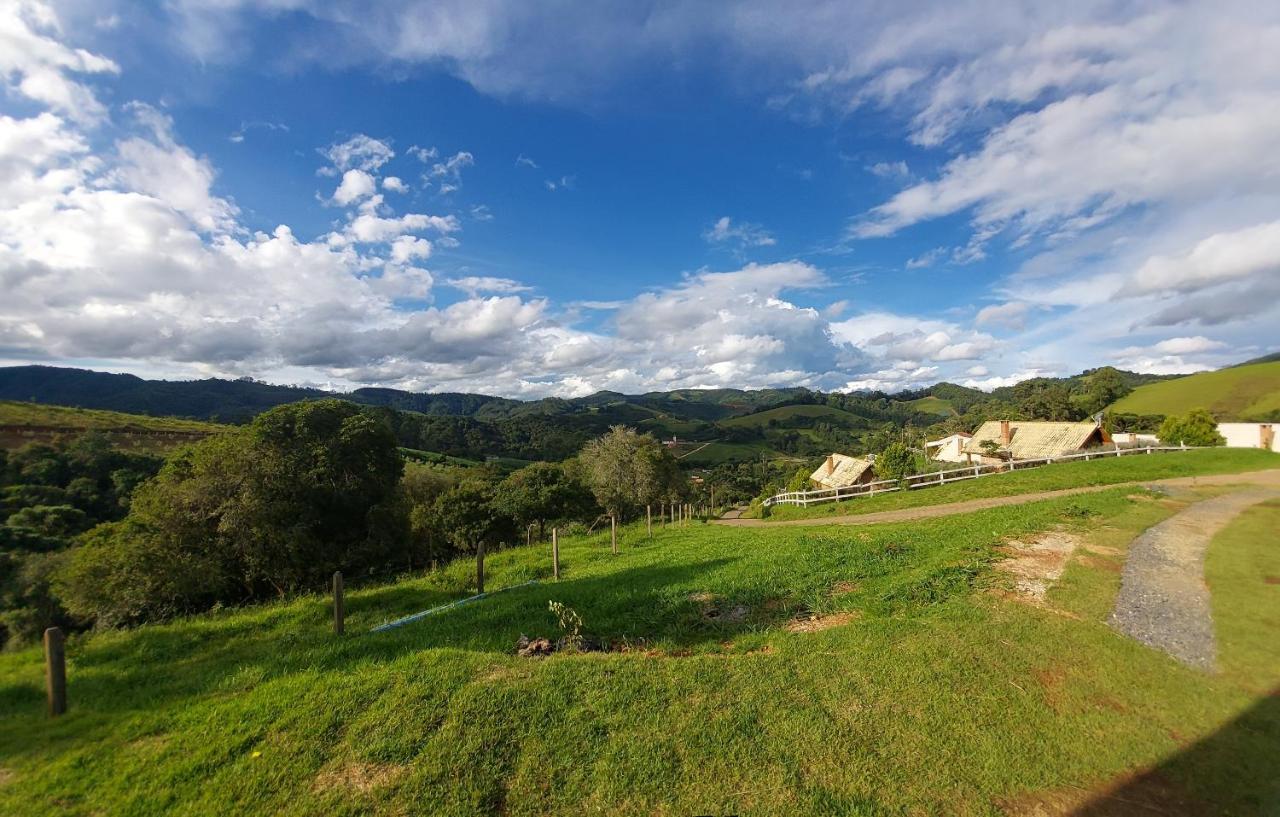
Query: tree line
x,y
110,539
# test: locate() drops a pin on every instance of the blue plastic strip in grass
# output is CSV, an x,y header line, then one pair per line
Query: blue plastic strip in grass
x,y
416,616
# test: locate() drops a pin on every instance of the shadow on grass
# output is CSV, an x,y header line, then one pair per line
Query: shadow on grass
x,y
1236,770
146,668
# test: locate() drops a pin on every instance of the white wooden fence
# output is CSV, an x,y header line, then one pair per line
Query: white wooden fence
x,y
806,498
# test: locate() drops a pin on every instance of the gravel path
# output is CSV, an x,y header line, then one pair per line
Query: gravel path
x,y
1268,478
1164,601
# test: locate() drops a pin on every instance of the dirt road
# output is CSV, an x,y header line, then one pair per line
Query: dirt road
x,y
1269,478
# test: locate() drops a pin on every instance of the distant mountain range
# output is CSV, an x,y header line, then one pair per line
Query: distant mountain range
x,y
237,401
717,425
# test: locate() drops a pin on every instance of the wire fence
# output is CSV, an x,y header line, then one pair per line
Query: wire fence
x,y
932,478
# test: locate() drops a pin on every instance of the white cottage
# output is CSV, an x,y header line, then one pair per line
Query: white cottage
x,y
948,449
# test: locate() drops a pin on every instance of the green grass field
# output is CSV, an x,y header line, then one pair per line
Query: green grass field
x,y
38,414
1049,478
935,697
783,413
932,405
1239,393
25,423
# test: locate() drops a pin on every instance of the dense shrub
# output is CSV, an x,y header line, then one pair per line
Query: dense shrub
x,y
1196,428
896,461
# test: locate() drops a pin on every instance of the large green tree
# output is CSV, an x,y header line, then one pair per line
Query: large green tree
x,y
627,470
306,489
472,520
544,492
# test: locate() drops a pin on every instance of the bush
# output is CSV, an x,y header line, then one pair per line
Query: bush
x,y
895,462
1195,428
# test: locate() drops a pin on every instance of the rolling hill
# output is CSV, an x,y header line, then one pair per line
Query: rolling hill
x,y
932,405
1247,392
783,415
22,423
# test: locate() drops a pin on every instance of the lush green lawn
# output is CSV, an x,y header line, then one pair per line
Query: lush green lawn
x,y
937,698
1050,478
1237,393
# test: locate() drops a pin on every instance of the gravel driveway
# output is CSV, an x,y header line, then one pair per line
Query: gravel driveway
x,y
1164,601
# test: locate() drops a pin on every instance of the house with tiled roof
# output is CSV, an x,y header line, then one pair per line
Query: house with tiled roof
x,y
1031,439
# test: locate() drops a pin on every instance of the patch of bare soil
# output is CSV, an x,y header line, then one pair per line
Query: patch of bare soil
x,y
1133,794
1037,564
6,776
1051,680
1271,580
812,622
1101,550
359,777
715,608
844,588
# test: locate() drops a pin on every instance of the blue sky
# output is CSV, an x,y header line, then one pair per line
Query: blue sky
x,y
555,198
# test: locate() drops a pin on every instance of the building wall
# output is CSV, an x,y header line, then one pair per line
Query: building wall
x,y
1129,438
1249,435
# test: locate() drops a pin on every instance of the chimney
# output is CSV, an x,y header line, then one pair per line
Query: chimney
x,y
831,463
1006,434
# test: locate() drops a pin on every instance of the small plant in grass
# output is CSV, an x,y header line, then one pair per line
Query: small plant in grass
x,y
1077,510
570,622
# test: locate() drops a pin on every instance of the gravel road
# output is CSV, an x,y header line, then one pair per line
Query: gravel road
x,y
1164,601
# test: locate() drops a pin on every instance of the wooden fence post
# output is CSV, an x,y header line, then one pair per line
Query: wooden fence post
x,y
339,604
480,568
555,553
613,533
55,671
648,519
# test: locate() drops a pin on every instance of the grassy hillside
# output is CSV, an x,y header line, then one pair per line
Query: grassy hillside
x,y
1050,478
23,423
783,414
706,703
931,405
14,413
715,453
1250,392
